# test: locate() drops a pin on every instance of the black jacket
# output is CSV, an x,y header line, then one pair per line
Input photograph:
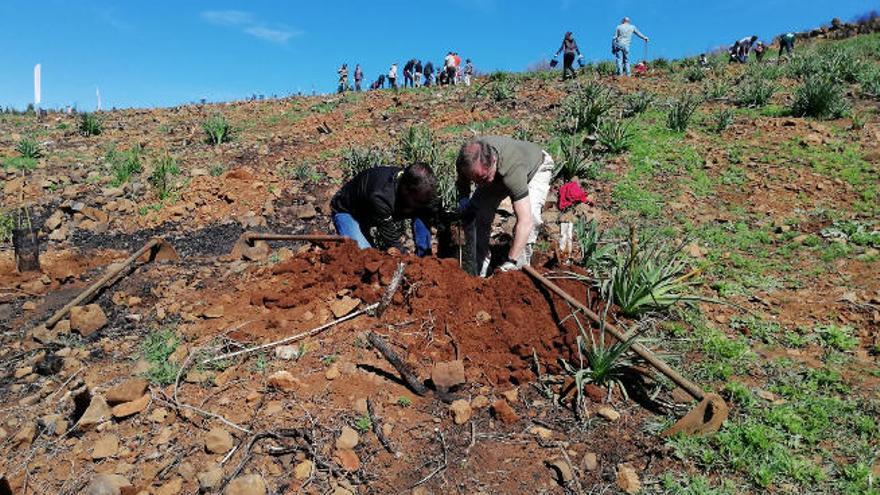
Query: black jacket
x,y
370,198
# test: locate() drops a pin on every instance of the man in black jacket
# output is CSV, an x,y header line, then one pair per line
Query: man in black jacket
x,y
371,207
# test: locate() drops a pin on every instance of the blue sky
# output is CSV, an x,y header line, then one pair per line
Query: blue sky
x,y
162,52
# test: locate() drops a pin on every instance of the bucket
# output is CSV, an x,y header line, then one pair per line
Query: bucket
x,y
27,250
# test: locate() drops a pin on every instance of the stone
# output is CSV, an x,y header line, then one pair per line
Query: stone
x,y
210,480
483,317
303,470
332,372
172,487
23,372
343,306
131,408
251,484
158,415
628,479
541,432
608,413
590,462
127,391
87,319
348,460
511,395
282,380
448,374
304,212
480,402
97,412
214,312
218,441
347,439
561,470
106,484
502,410
106,446
461,411
360,406
25,435
287,352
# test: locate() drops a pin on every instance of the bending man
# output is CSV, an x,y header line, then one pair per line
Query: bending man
x,y
502,167
371,207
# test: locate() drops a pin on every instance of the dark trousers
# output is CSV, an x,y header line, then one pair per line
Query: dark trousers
x,y
407,81
392,82
786,45
357,84
450,75
568,66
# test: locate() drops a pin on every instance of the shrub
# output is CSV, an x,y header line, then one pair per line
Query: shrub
x,y
502,87
636,103
573,159
28,148
90,124
681,110
165,169
357,160
694,73
819,97
722,119
217,129
840,64
660,63
594,251
606,68
7,225
582,109
416,145
123,164
869,81
716,89
755,92
803,65
615,135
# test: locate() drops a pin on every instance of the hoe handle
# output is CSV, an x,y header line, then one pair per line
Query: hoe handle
x,y
256,236
690,387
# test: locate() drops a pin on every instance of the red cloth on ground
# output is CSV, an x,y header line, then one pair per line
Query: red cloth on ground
x,y
572,194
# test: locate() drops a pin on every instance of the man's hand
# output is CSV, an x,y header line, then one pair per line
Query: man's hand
x,y
509,266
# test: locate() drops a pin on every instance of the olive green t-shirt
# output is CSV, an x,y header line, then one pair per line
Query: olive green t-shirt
x,y
517,163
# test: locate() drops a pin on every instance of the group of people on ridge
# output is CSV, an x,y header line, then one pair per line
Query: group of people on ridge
x,y
620,48
739,51
415,74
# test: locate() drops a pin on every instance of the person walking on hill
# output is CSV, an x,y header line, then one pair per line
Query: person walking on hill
x,y
569,50
502,167
458,72
743,47
392,77
408,73
343,78
429,73
621,43
358,77
449,68
417,74
371,207
786,44
468,72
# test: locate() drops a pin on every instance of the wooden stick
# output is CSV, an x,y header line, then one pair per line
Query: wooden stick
x,y
408,376
690,387
257,236
101,283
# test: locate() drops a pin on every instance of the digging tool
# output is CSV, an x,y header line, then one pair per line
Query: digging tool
x,y
244,246
709,414
158,250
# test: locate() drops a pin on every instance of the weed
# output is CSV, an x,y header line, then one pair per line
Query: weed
x,y
416,145
7,225
123,164
755,92
261,364
357,160
157,348
20,163
584,108
363,423
217,170
165,169
681,110
819,97
694,73
403,401
217,129
740,394
502,87
90,124
615,135
722,119
28,148
637,103
329,359
869,81
716,89
836,337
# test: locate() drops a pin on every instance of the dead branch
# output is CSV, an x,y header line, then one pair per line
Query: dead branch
x,y
441,467
377,429
408,376
392,288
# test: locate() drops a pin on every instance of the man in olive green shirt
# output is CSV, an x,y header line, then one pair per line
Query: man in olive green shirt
x,y
502,167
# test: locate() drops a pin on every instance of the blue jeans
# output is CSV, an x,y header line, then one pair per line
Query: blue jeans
x,y
622,60
347,226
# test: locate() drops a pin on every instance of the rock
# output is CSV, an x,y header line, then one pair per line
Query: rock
x,y
461,411
210,480
628,479
127,391
502,410
282,380
483,317
87,319
608,413
348,438
29,306
106,446
23,372
214,312
541,432
106,484
562,470
480,402
251,484
511,395
54,221
25,435
172,487
287,352
343,306
360,406
304,212
303,470
348,460
448,374
131,408
332,372
97,412
590,462
218,441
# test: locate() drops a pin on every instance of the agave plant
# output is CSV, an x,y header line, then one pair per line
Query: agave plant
x,y
357,160
573,159
615,135
636,103
29,148
680,112
217,129
755,92
584,108
416,145
90,124
594,252
819,97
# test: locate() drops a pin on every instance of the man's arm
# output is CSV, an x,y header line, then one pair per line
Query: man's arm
x,y
522,208
640,35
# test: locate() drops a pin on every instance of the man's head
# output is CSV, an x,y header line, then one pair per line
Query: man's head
x,y
416,189
753,38
477,161
625,20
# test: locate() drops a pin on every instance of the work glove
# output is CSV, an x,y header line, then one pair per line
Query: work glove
x,y
509,266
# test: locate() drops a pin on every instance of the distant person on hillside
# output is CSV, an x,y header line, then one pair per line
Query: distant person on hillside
x,y
449,68
743,47
392,77
371,207
786,44
569,50
457,60
620,45
408,73
417,74
502,167
760,50
380,82
358,77
704,62
343,78
429,73
468,72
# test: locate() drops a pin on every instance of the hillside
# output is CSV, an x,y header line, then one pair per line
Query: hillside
x,y
755,187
